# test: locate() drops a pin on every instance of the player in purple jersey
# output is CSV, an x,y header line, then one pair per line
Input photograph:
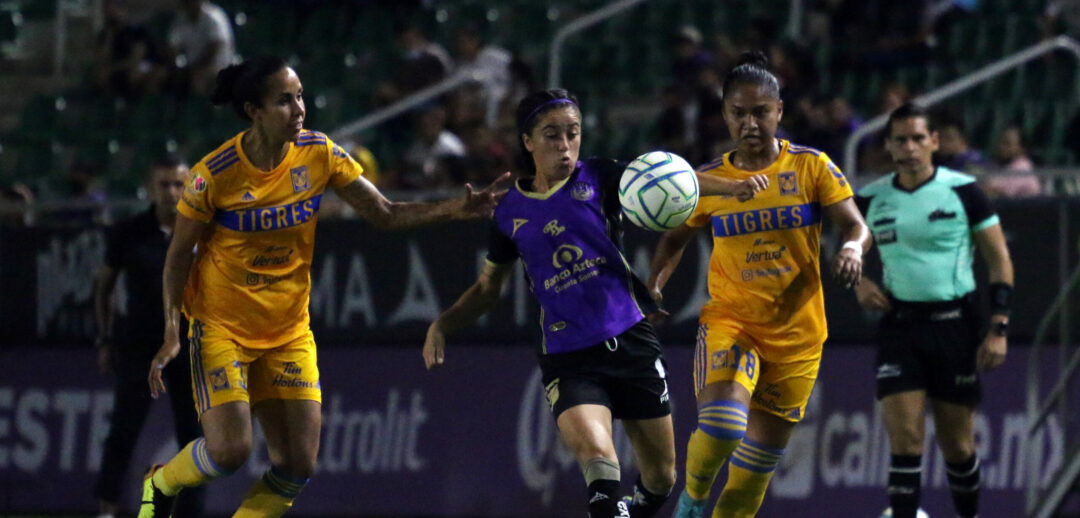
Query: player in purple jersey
x,y
599,356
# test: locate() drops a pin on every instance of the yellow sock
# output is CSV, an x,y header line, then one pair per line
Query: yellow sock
x,y
721,426
751,467
189,468
271,496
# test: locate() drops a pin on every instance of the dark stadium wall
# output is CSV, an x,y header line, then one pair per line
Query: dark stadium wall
x,y
476,439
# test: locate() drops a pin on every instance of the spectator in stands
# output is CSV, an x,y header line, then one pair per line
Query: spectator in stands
x,y
1061,17
86,196
432,141
673,131
840,121
486,156
893,95
136,248
954,151
421,63
129,62
16,206
201,38
492,61
1011,157
900,32
689,58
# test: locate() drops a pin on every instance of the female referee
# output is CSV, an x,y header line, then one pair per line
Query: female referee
x,y
599,356
761,332
240,261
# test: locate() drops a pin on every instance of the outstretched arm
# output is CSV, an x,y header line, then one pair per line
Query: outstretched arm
x,y
371,205
743,190
476,301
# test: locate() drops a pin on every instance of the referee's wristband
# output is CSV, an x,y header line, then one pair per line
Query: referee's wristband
x,y
1000,298
852,245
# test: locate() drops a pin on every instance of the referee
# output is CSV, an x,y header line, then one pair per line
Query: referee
x,y
924,220
136,247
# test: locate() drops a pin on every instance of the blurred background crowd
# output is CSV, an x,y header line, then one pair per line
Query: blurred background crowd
x,y
94,91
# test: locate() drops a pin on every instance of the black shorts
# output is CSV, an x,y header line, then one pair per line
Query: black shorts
x,y
930,346
627,374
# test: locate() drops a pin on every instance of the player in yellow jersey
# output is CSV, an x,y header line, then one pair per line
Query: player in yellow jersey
x,y
761,333
240,262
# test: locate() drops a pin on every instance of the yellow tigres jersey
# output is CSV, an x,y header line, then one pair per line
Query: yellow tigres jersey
x,y
764,272
251,276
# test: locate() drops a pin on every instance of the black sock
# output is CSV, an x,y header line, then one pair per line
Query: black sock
x,y
964,482
645,503
905,479
604,498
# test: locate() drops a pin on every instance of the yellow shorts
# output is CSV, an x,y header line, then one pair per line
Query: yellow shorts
x,y
223,371
778,385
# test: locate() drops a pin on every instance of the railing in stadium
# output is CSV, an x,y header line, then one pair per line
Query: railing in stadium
x,y
962,84
1045,505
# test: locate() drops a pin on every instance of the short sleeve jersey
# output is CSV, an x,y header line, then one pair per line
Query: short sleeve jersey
x,y
764,274
136,247
569,240
924,235
252,274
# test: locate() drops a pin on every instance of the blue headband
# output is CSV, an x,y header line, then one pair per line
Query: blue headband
x,y
529,119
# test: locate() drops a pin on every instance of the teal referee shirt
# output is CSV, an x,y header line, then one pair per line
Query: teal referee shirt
x,y
924,235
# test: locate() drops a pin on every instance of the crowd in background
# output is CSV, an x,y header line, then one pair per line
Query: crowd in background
x,y
468,134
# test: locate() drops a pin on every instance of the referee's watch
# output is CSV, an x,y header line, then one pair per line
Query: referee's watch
x,y
1000,328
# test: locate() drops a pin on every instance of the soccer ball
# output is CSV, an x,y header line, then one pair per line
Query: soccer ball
x,y
658,191
919,514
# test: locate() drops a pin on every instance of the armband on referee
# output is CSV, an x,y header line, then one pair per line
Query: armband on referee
x,y
1000,298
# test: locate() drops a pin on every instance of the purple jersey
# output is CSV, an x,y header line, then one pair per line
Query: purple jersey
x,y
567,240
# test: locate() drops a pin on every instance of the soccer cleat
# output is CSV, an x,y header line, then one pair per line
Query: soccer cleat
x,y
689,507
154,503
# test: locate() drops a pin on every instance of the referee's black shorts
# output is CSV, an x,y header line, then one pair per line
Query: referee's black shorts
x,y
627,374
930,346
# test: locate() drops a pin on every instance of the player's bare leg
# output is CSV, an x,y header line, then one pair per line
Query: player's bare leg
x,y
292,440
903,415
654,449
955,434
586,430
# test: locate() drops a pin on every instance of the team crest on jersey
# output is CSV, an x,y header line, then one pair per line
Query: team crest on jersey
x,y
581,191
219,380
300,181
198,184
789,186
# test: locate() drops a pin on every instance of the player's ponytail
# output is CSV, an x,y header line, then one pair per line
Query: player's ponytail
x,y
529,111
245,83
752,68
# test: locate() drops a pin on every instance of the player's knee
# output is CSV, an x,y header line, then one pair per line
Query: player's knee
x,y
301,468
229,455
659,480
723,419
957,449
907,439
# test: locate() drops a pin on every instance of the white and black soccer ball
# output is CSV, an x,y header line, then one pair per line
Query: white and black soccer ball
x,y
658,191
